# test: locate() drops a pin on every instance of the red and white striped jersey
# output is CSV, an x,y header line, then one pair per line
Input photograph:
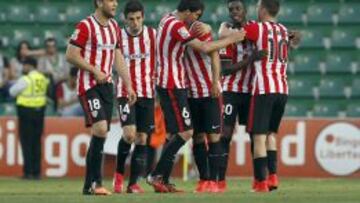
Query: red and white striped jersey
x,y
199,71
270,75
139,54
172,37
241,81
98,44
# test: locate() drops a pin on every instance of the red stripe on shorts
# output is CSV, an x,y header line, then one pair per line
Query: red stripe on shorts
x,y
250,124
177,111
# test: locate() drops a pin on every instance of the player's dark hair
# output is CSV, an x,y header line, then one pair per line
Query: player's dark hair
x,y
133,6
229,1
241,1
191,5
50,39
272,6
95,3
30,61
73,71
18,48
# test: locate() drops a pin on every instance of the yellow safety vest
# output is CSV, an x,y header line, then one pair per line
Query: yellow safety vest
x,y
34,95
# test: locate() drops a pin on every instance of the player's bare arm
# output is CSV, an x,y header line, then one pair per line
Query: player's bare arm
x,y
35,53
216,67
123,72
73,56
208,47
229,68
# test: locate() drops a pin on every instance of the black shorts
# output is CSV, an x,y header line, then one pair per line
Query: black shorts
x,y
236,105
265,113
174,103
97,104
141,114
206,115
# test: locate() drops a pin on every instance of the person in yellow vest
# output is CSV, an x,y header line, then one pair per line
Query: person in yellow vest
x,y
30,91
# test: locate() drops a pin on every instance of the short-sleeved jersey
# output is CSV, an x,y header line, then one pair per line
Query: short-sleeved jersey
x,y
241,81
172,36
98,44
199,71
139,54
270,75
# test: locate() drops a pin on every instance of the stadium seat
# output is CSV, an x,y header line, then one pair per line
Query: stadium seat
x,y
58,35
349,13
251,13
292,13
4,42
47,14
320,13
9,52
222,10
19,14
164,8
338,63
357,65
295,110
7,109
342,39
5,36
23,34
75,13
67,30
3,18
210,15
304,63
355,88
155,11
301,88
1,108
326,109
353,110
150,13
331,88
312,39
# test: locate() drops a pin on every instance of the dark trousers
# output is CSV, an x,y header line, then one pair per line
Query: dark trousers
x,y
31,126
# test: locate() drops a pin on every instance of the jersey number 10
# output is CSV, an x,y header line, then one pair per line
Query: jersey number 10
x,y
279,50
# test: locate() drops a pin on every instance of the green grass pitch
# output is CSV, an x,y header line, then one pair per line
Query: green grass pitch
x,y
13,190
